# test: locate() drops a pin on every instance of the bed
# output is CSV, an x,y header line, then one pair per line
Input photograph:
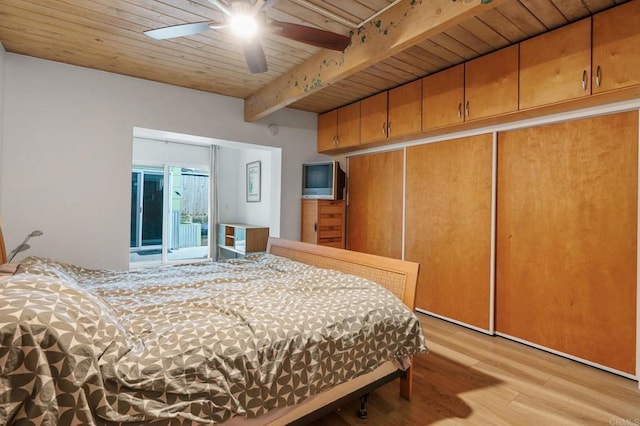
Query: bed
x,y
235,342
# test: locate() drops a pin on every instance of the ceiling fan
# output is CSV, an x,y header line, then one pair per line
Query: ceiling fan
x,y
246,18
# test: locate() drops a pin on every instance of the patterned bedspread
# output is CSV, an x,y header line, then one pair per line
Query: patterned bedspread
x,y
194,344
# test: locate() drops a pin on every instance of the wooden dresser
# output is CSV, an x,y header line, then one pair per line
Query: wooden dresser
x,y
323,222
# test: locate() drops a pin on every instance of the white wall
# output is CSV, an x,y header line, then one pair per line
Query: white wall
x,y
255,213
68,134
1,119
232,198
228,198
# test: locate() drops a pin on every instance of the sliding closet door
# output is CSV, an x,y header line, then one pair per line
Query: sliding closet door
x,y
448,227
566,237
374,215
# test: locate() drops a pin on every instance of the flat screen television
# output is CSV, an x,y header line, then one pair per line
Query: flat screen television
x,y
322,180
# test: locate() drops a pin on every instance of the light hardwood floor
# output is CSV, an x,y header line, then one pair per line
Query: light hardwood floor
x,y
472,378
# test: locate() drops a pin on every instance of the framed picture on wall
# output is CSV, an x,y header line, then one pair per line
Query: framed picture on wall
x,y
253,182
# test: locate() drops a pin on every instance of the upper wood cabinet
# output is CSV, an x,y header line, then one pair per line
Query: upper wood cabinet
x,y
443,98
395,112
373,118
554,72
349,125
339,128
327,130
405,105
481,88
491,84
616,48
556,66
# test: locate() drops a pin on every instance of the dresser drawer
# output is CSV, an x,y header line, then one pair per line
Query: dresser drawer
x,y
332,242
330,220
331,208
330,232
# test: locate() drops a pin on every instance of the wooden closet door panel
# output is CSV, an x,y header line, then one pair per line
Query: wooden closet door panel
x,y
448,226
566,237
374,219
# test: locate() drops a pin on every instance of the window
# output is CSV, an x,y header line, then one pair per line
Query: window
x,y
170,204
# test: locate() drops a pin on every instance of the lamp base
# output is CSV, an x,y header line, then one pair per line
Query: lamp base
x,y
8,269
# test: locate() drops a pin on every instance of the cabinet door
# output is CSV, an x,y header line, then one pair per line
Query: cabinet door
x,y
348,125
373,118
556,66
405,109
566,237
616,47
374,219
442,98
327,130
491,84
256,238
448,227
309,224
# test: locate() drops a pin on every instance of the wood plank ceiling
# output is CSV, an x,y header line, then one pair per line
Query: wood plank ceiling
x,y
108,35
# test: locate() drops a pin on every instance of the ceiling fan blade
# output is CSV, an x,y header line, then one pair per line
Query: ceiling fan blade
x,y
254,54
221,6
267,4
180,30
313,36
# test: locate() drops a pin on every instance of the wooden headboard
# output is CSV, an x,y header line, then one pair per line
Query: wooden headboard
x,y
3,249
398,276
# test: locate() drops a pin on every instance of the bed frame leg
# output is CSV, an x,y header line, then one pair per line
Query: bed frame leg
x,y
362,412
406,383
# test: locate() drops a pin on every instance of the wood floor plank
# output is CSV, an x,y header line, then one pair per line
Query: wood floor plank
x,y
557,406
610,400
472,378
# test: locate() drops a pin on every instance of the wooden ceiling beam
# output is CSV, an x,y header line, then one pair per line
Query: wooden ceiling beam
x,y
407,23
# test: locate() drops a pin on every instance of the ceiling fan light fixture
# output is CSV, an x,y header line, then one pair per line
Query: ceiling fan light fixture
x,y
243,25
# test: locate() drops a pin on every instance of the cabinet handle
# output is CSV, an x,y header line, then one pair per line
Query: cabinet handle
x,y
335,140
598,72
384,129
466,109
584,80
459,109
389,129
315,227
